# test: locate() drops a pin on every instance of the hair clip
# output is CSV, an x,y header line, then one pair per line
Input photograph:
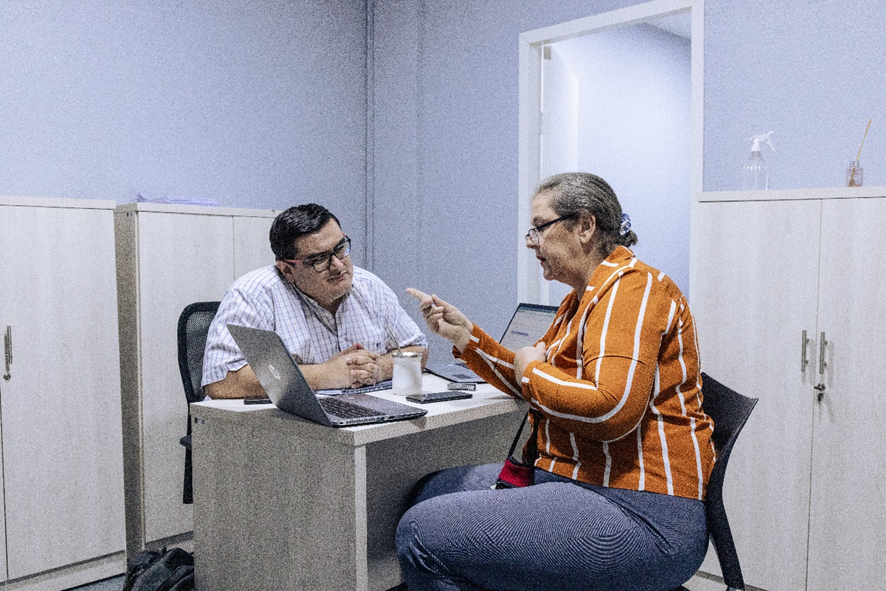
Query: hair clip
x,y
625,225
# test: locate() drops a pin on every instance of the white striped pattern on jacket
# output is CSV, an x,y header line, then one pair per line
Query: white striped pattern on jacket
x,y
619,397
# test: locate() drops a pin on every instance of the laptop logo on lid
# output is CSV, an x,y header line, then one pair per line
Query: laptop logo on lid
x,y
274,372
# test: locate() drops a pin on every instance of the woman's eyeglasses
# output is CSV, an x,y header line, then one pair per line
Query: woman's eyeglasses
x,y
534,233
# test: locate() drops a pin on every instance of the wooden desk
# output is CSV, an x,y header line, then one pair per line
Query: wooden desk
x,y
284,504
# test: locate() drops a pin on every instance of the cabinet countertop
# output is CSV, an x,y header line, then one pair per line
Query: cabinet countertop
x,y
792,194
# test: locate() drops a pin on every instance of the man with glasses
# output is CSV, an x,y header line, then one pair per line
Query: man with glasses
x,y
339,322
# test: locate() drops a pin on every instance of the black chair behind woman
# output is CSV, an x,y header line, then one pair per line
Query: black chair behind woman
x,y
730,411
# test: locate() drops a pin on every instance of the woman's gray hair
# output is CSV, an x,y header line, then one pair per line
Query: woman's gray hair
x,y
577,192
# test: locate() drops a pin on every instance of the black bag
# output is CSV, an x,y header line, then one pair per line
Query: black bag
x,y
160,570
518,473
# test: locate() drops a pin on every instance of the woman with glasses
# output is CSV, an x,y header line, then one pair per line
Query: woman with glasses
x,y
621,444
339,322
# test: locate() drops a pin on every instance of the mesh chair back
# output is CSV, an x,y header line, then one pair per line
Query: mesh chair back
x,y
730,411
193,325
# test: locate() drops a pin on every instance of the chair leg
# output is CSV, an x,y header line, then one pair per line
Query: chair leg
x,y
188,487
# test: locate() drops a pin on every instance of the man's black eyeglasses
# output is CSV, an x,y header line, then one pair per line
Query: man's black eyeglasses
x,y
321,261
533,234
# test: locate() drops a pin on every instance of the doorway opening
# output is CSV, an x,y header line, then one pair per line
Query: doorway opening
x,y
620,95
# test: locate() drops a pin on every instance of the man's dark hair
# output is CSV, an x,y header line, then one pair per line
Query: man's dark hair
x,y
294,223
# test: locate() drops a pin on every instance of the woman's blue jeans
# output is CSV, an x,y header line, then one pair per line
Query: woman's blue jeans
x,y
556,535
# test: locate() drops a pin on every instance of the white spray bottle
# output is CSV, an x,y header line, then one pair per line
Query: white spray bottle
x,y
756,175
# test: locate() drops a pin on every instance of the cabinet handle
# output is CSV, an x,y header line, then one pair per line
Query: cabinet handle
x,y
820,388
822,364
7,351
803,361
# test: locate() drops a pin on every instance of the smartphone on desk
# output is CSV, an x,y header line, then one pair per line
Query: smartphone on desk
x,y
256,400
439,396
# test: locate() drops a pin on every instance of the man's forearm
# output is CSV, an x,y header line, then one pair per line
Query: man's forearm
x,y
324,376
241,383
331,375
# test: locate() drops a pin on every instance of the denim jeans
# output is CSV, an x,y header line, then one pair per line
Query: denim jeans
x,y
556,535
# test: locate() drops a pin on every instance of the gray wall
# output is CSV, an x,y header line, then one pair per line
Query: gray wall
x,y
263,103
811,71
446,174
254,103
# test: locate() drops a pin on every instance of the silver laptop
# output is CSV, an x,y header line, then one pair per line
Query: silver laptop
x,y
288,390
527,325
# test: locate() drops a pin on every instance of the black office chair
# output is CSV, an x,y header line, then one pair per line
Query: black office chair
x,y
730,411
193,326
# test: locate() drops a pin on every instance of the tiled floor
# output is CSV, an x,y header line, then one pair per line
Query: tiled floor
x,y
112,584
698,583
116,584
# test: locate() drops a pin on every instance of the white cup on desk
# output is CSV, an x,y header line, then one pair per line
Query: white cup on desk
x,y
407,373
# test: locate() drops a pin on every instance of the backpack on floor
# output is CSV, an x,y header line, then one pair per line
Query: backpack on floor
x,y
160,570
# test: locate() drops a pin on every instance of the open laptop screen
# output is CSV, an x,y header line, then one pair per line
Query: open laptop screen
x,y
529,323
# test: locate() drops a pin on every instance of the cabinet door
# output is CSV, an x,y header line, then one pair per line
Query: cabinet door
x,y
2,513
252,248
848,513
62,449
754,294
182,259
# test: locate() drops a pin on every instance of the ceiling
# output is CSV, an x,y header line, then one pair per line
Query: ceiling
x,y
679,24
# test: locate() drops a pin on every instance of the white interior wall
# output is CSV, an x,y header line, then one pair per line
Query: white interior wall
x,y
558,144
561,103
634,130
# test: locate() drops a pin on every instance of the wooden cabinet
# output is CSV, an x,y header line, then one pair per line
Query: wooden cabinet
x,y
168,257
2,498
803,488
848,510
62,466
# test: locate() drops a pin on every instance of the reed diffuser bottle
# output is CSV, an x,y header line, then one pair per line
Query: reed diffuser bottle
x,y
855,173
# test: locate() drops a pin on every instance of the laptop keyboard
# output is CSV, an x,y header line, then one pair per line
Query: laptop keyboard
x,y
347,410
385,385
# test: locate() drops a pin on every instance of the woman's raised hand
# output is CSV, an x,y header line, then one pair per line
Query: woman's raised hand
x,y
444,319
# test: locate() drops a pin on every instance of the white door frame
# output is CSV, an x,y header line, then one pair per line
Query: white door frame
x,y
531,46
